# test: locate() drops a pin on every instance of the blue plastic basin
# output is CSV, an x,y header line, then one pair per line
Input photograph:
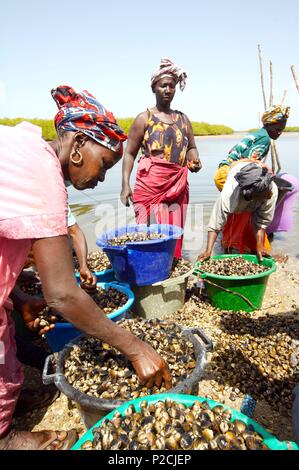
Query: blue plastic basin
x,y
65,332
142,263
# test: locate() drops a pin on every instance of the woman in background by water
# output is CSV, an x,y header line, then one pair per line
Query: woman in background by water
x,y
237,233
249,189
161,192
256,145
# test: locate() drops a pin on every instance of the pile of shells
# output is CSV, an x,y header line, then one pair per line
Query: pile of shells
x,y
173,426
96,261
180,267
97,369
31,285
108,300
259,356
48,317
232,267
134,237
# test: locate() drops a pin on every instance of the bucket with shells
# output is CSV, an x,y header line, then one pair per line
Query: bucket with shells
x,y
178,422
98,263
236,282
114,299
99,378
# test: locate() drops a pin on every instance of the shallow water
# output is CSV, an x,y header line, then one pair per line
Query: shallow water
x,y
99,209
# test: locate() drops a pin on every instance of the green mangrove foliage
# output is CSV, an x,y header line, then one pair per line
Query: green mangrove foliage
x,y
203,128
47,125
49,133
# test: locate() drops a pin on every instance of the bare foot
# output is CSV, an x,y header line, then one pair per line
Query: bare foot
x,y
42,440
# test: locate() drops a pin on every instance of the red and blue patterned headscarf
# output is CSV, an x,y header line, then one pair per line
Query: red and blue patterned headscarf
x,y
82,112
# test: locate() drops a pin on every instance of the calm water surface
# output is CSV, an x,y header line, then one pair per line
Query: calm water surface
x,y
93,207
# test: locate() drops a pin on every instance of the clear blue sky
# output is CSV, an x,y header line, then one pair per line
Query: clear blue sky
x,y
111,48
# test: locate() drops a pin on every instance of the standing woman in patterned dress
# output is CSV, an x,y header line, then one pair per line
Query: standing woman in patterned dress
x,y
161,192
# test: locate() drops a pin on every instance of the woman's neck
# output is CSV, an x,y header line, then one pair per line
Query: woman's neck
x,y
164,109
62,156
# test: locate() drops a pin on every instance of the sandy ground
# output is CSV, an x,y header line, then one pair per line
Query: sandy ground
x,y
281,303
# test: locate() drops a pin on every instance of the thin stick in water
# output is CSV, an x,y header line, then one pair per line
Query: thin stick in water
x,y
295,77
271,85
283,97
262,76
277,159
273,156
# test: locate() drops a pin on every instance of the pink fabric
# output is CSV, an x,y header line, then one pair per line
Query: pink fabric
x,y
33,204
161,191
32,192
13,254
283,216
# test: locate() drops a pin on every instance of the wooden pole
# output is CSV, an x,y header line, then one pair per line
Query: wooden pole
x,y
295,77
273,146
273,155
271,85
277,159
283,97
262,76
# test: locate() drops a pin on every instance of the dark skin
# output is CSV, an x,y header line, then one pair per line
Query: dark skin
x,y
61,291
80,246
164,89
59,286
275,130
259,232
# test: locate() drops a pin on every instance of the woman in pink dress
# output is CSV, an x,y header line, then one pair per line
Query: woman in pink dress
x,y
33,215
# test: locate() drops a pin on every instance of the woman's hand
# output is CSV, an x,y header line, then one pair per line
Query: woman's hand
x,y
87,279
30,310
126,195
193,165
261,252
260,247
204,256
149,366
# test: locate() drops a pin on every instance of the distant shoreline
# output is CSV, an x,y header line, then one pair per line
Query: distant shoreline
x,y
240,134
200,129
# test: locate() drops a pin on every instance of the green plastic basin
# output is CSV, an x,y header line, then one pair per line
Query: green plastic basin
x,y
236,292
188,400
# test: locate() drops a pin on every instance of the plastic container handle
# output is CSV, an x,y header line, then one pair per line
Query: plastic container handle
x,y
49,378
208,343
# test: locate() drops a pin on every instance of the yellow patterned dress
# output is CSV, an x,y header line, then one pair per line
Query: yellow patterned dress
x,y
171,140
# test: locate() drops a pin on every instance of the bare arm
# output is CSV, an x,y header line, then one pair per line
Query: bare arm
x,y
193,160
81,249
54,263
260,237
135,138
212,237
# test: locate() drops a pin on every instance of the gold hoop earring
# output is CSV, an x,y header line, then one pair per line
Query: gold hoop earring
x,y
80,159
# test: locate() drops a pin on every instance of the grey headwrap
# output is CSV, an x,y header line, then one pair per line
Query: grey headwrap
x,y
253,179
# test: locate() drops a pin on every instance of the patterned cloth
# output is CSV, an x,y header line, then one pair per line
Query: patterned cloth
x,y
82,112
161,194
275,114
255,145
231,201
169,69
253,179
169,139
